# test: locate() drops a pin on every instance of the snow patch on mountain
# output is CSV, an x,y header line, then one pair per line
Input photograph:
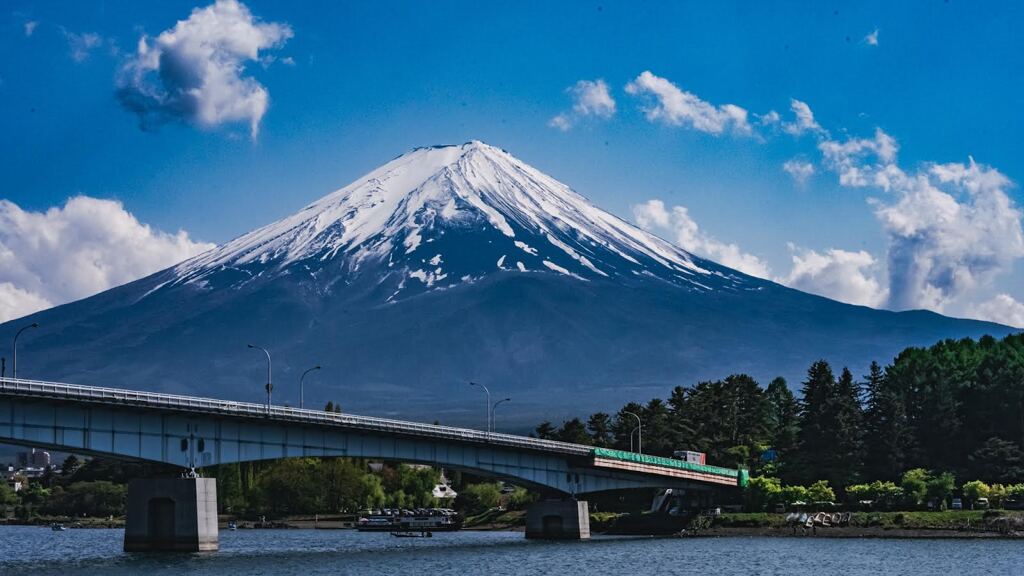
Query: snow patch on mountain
x,y
451,197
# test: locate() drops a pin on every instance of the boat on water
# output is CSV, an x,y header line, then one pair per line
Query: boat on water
x,y
232,525
58,527
412,534
402,521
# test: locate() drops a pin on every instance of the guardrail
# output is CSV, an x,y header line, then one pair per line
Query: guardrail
x,y
96,394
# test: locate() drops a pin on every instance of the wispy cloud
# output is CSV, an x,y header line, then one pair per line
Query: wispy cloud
x,y
30,27
800,170
872,38
676,107
81,45
589,98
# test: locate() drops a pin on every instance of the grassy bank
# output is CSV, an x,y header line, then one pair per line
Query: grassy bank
x,y
868,523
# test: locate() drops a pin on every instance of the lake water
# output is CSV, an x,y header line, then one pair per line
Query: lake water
x,y
36,551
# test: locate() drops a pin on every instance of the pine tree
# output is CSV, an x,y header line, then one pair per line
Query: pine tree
x,y
814,440
784,410
599,427
848,416
545,431
886,430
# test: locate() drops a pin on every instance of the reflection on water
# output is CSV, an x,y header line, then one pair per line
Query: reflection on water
x,y
34,550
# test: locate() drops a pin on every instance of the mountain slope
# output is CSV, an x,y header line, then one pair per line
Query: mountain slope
x,y
451,264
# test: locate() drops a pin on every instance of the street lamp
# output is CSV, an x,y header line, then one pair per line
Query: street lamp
x,y
639,432
14,367
493,407
487,407
303,377
270,383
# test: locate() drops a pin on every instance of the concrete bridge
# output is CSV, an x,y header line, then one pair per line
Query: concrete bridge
x,y
197,432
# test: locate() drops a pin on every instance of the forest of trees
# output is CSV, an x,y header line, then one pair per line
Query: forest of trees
x,y
956,409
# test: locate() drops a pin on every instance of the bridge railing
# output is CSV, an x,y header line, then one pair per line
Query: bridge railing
x,y
97,394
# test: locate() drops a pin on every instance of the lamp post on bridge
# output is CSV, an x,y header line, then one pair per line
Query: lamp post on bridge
x,y
494,425
487,407
303,377
14,366
639,433
270,383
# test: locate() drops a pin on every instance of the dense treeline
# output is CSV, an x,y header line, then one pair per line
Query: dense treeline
x,y
320,485
956,407
278,488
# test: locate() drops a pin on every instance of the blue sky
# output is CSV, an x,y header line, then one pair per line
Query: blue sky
x,y
354,84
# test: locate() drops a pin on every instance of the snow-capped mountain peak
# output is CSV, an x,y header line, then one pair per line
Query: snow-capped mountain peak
x,y
442,215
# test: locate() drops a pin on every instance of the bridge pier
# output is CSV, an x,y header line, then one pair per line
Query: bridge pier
x,y
558,520
171,514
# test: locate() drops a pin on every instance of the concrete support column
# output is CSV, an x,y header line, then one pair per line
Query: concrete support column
x,y
558,520
171,514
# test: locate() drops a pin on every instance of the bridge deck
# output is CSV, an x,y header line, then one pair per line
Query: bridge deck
x,y
598,458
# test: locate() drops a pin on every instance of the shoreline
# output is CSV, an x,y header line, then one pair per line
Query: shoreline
x,y
854,532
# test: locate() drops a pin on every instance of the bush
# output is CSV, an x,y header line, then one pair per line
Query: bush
x,y
975,489
821,492
478,498
95,499
762,492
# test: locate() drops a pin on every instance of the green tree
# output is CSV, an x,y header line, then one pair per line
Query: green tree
x,y
847,432
7,496
940,488
70,466
974,490
478,498
290,486
820,491
783,412
816,458
762,492
886,429
545,431
599,426
792,494
574,432
998,460
915,486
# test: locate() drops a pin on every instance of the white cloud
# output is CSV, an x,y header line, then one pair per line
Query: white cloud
x,y
81,45
800,170
850,277
772,118
872,38
194,71
849,159
70,252
951,230
1003,309
685,233
563,122
30,27
804,120
676,107
590,98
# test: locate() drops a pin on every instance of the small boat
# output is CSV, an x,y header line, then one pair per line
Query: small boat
x,y
57,527
232,525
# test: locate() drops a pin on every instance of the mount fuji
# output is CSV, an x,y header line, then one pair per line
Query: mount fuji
x,y
452,264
